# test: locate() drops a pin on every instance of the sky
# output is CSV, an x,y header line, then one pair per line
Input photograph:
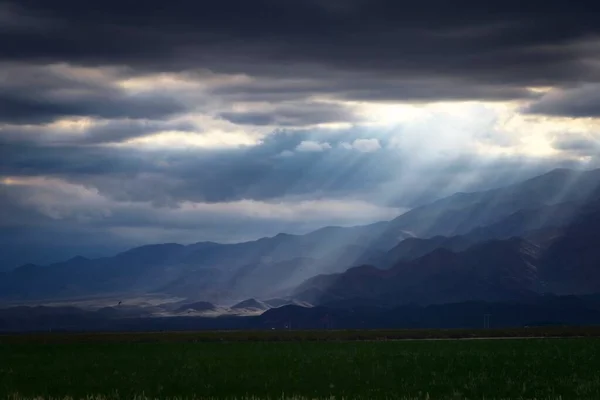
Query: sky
x,y
124,123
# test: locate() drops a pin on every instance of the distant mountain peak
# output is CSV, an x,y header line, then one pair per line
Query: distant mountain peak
x,y
153,246
251,304
78,259
199,306
27,267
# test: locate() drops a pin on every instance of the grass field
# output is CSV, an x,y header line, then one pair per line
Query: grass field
x,y
446,369
298,335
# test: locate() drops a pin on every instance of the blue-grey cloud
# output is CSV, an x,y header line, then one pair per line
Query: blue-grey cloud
x,y
293,114
98,133
342,167
30,95
577,143
582,101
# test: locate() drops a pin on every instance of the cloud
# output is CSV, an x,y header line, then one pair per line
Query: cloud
x,y
425,50
580,144
14,18
293,114
364,145
57,199
70,218
286,153
303,164
31,94
312,146
171,175
582,101
361,86
87,131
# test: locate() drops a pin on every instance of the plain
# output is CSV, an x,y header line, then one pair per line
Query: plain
x,y
555,368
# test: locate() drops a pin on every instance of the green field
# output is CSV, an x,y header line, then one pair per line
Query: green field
x,y
299,335
434,369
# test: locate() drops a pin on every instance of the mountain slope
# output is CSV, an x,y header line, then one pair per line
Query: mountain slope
x,y
413,248
565,260
463,212
492,271
539,225
572,262
251,304
202,270
536,209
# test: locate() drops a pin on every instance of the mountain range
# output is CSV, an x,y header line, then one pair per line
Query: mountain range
x,y
510,244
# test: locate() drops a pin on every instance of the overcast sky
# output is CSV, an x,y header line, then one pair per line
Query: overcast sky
x,y
124,123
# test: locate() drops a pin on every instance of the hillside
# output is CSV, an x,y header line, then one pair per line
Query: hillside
x,y
463,212
563,260
435,252
491,271
207,270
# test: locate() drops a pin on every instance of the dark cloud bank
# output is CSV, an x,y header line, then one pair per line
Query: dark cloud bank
x,y
423,50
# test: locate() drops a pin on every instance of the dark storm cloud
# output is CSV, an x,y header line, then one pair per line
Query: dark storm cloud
x,y
14,18
355,86
24,159
578,144
30,94
293,114
32,108
492,49
101,132
583,101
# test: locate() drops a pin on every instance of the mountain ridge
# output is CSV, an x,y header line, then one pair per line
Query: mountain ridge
x,y
536,210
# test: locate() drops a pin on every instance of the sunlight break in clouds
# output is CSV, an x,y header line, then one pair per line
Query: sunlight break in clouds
x,y
183,140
